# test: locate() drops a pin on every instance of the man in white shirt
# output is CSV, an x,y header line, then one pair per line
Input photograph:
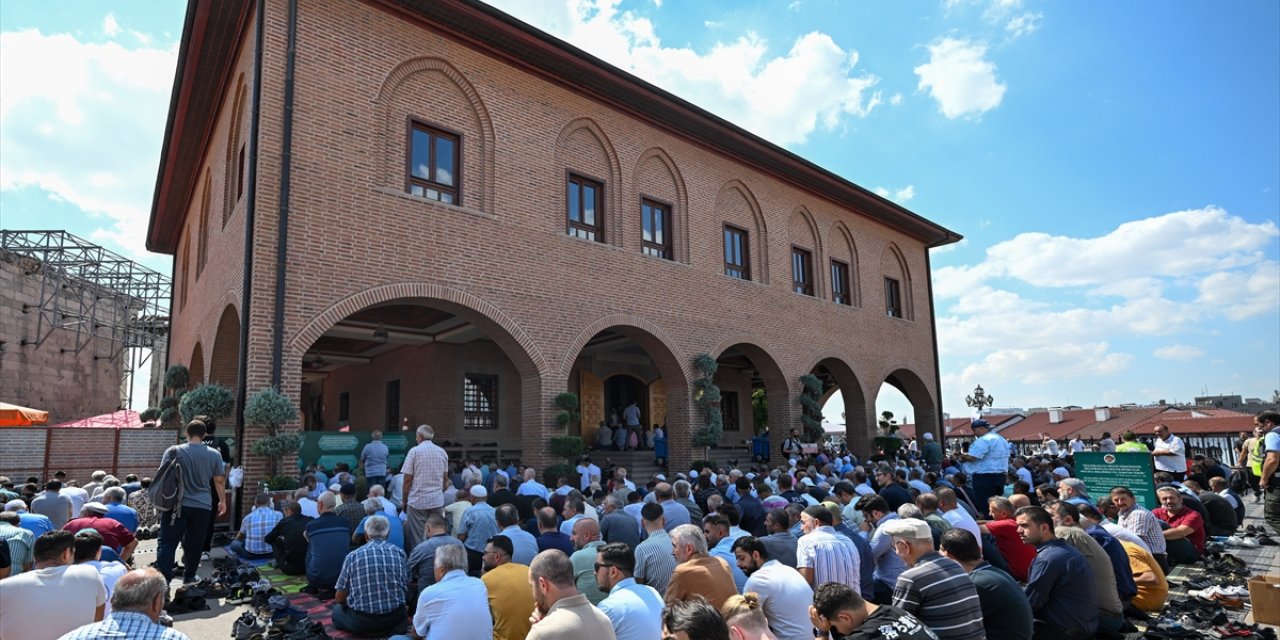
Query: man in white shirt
x,y
957,516
306,505
784,594
456,606
531,486
1169,454
54,598
586,470
1076,444
89,553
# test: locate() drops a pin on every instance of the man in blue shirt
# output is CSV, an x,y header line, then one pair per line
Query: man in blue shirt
x,y
549,535
373,457
634,609
373,507
117,510
524,545
370,588
456,606
1269,421
1060,584
328,541
478,525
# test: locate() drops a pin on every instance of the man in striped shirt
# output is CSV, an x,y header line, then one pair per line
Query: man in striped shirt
x,y
934,589
823,554
1135,518
654,562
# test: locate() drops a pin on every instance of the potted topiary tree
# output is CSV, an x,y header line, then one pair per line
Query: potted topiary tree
x,y
176,380
215,401
810,407
707,396
566,446
149,416
271,409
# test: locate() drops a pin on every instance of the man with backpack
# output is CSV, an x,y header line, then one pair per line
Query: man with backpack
x,y
183,492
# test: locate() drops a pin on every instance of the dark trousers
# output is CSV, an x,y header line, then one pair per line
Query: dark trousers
x,y
281,561
1271,506
372,480
1178,476
984,486
1162,559
475,562
188,529
208,538
1181,551
1048,631
1255,483
369,624
883,593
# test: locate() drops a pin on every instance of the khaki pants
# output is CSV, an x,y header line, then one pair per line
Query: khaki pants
x,y
415,525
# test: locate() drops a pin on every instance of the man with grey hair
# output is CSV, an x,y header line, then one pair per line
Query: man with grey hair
x,y
456,605
250,541
426,473
1073,490
117,510
422,558
560,612
95,480
328,540
379,493
698,573
617,525
370,588
372,507
136,604
373,457
683,495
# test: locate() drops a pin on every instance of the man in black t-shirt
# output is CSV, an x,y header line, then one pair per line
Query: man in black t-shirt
x,y
840,611
221,447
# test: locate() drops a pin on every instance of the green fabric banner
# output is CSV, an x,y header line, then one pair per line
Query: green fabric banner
x,y
1102,471
331,447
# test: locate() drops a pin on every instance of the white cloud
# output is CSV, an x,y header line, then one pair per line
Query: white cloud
x,y
1023,24
1178,352
783,98
896,99
881,191
66,107
110,26
1239,295
1044,365
959,78
905,194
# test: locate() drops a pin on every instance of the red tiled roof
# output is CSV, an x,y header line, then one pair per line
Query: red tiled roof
x,y
1082,421
908,430
996,421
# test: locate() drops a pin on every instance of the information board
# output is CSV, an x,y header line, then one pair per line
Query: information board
x,y
331,447
1102,471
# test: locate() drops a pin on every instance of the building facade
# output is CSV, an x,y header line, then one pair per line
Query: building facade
x,y
434,212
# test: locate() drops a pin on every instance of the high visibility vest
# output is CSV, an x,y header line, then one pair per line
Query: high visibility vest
x,y
1256,456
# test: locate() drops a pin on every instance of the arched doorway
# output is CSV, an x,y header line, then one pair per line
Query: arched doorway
x,y
224,360
843,403
196,366
754,398
621,391
906,396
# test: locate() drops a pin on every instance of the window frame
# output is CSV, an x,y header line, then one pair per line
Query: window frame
x,y
492,414
841,268
731,411
571,177
410,180
391,400
745,267
344,407
667,248
240,173
893,298
805,287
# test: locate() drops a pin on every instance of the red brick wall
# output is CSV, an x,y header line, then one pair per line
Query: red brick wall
x,y
24,451
503,259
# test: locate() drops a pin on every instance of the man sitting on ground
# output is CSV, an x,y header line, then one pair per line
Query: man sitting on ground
x,y
89,553
289,542
549,534
510,598
634,610
838,610
54,598
781,592
18,541
370,588
250,542
1185,535
560,612
117,510
934,589
422,573
1006,614
136,605
1060,586
372,507
1110,609
140,501
328,541
697,573
1018,553
455,605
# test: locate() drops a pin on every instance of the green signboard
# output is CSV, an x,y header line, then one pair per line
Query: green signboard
x,y
331,447
1102,471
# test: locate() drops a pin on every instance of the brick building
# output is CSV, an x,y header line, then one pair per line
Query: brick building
x,y
432,211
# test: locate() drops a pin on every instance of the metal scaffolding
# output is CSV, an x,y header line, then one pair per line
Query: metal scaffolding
x,y
95,293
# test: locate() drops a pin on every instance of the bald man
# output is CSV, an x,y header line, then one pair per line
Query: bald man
x,y
586,539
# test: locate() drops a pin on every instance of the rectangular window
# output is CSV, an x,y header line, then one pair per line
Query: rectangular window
x,y
655,220
433,163
801,271
391,418
583,208
840,283
240,175
344,407
729,410
737,259
892,298
480,401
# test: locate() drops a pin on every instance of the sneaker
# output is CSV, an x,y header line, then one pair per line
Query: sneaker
x,y
205,557
165,619
246,626
1266,540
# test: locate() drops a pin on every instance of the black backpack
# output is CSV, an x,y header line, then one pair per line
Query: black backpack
x,y
166,487
1238,482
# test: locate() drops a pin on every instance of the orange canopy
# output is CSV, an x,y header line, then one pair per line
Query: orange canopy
x,y
12,415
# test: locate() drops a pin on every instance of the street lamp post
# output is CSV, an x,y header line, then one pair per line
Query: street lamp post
x,y
979,399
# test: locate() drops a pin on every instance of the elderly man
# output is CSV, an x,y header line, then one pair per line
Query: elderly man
x,y
617,525
784,595
586,539
531,486
479,523
455,606
426,473
673,513
54,598
1186,532
507,582
370,588
1142,523
654,556
328,541
1106,584
1073,490
683,490
560,612
136,605
373,457
251,541
697,573
35,523
288,541
824,555
372,507
379,493
1006,614
114,534
1060,587
422,557
117,510
524,545
634,610
572,513
934,588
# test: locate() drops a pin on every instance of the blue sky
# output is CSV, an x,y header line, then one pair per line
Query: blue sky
x,y
1115,167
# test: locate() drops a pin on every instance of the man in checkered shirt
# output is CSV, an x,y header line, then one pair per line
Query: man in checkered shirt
x,y
135,609
371,587
250,543
1135,518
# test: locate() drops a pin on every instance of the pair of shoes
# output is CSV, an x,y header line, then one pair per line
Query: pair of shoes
x,y
312,631
1238,541
1266,540
247,625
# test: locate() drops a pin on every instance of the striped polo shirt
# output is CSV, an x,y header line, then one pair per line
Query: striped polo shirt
x,y
938,592
831,555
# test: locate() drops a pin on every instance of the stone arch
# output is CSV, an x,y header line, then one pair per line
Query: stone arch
x,y
802,231
513,339
569,154
224,360
759,244
478,164
202,248
842,247
234,167
923,403
858,432
894,265
196,365
680,214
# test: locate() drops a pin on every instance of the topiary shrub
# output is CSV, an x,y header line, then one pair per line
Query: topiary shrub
x,y
270,408
149,415
210,400
810,407
177,377
168,415
699,465
553,473
707,396
568,404
567,447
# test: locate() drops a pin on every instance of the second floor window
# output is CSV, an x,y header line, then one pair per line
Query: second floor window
x,y
801,271
892,298
840,283
584,212
655,220
737,262
433,164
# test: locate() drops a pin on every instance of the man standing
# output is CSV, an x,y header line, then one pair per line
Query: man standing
x,y
136,604
426,472
1107,444
288,541
479,523
54,598
370,587
791,446
1269,421
507,583
1006,614
931,453
373,457
987,462
53,505
1169,454
586,540
934,589
188,524
697,573
654,556
1060,587
783,593
560,612
634,610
